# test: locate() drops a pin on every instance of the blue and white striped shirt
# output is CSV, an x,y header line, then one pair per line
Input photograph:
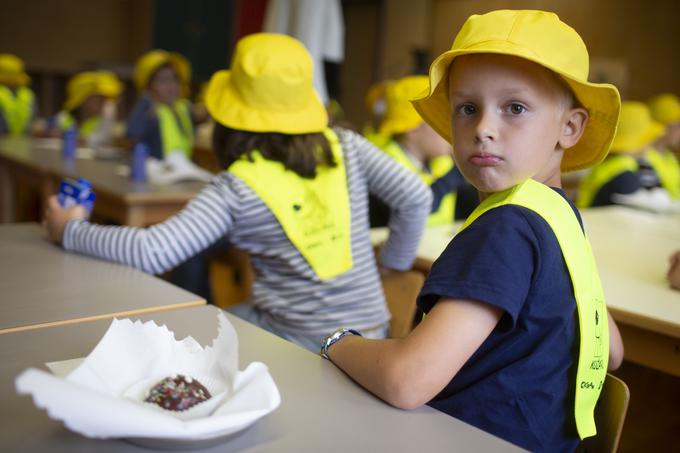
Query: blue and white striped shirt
x,y
286,288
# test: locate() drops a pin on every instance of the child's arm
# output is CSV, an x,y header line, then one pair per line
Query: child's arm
x,y
409,372
673,275
615,345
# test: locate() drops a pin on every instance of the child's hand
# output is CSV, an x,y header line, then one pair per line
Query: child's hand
x,y
673,275
57,217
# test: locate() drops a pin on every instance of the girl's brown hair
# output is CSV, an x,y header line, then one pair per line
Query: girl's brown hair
x,y
300,153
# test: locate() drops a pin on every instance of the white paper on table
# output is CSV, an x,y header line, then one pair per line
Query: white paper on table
x,y
174,168
655,200
102,397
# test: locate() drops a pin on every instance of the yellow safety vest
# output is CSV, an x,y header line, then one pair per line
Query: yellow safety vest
x,y
667,169
439,166
177,131
16,109
611,167
65,121
592,311
314,213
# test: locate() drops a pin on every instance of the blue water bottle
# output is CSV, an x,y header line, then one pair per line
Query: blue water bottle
x,y
138,168
70,143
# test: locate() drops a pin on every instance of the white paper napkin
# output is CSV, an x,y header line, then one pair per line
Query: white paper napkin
x,y
655,200
174,168
103,396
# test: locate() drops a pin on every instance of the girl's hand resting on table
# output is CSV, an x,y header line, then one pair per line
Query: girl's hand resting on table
x,y
673,275
57,217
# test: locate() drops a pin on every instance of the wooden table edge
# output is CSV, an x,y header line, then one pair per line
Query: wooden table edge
x,y
119,314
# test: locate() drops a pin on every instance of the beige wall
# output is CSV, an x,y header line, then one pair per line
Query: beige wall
x,y
70,35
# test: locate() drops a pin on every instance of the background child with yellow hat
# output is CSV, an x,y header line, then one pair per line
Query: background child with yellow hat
x,y
90,107
162,118
665,108
411,142
633,164
294,195
516,340
17,100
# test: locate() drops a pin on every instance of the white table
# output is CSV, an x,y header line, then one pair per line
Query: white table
x,y
631,248
41,285
322,410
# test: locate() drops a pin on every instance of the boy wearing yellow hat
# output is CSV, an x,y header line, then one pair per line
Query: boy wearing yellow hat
x,y
17,100
294,195
410,141
628,167
90,107
516,340
162,118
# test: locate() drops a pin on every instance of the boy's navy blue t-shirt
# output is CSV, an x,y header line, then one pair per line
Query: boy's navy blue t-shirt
x,y
519,385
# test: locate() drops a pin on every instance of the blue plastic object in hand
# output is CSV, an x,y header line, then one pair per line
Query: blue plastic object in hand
x,y
76,192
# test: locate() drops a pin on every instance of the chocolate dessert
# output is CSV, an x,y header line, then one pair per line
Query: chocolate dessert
x,y
178,393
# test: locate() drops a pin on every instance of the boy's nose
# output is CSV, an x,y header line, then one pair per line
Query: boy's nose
x,y
486,128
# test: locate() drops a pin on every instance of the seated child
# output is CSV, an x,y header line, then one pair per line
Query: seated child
x,y
516,339
406,138
91,107
294,195
375,106
665,108
625,170
162,118
17,101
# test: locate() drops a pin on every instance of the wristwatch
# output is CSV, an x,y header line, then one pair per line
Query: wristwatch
x,y
333,338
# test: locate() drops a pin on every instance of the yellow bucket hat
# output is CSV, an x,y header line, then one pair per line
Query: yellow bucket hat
x,y
665,108
12,70
400,115
154,59
269,88
636,128
540,37
90,83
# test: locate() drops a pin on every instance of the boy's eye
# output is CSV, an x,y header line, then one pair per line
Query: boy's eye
x,y
466,109
516,108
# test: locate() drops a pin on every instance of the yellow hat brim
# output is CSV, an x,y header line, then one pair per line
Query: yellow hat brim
x,y
601,100
228,108
21,79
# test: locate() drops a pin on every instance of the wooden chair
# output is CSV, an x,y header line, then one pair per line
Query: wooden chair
x,y
610,414
401,290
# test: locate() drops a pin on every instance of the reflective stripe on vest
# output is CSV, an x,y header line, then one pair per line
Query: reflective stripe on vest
x,y
314,213
592,312
17,109
610,168
439,166
667,169
65,121
177,132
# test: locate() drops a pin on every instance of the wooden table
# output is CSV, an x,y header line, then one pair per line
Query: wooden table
x,y
322,410
38,164
41,285
631,248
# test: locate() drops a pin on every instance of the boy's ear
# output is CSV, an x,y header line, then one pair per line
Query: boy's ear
x,y
574,123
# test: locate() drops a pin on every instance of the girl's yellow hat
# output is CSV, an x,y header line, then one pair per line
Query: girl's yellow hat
x,y
543,38
637,129
269,88
665,108
103,83
154,59
12,71
400,115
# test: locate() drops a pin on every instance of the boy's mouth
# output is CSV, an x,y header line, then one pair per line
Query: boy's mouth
x,y
484,159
